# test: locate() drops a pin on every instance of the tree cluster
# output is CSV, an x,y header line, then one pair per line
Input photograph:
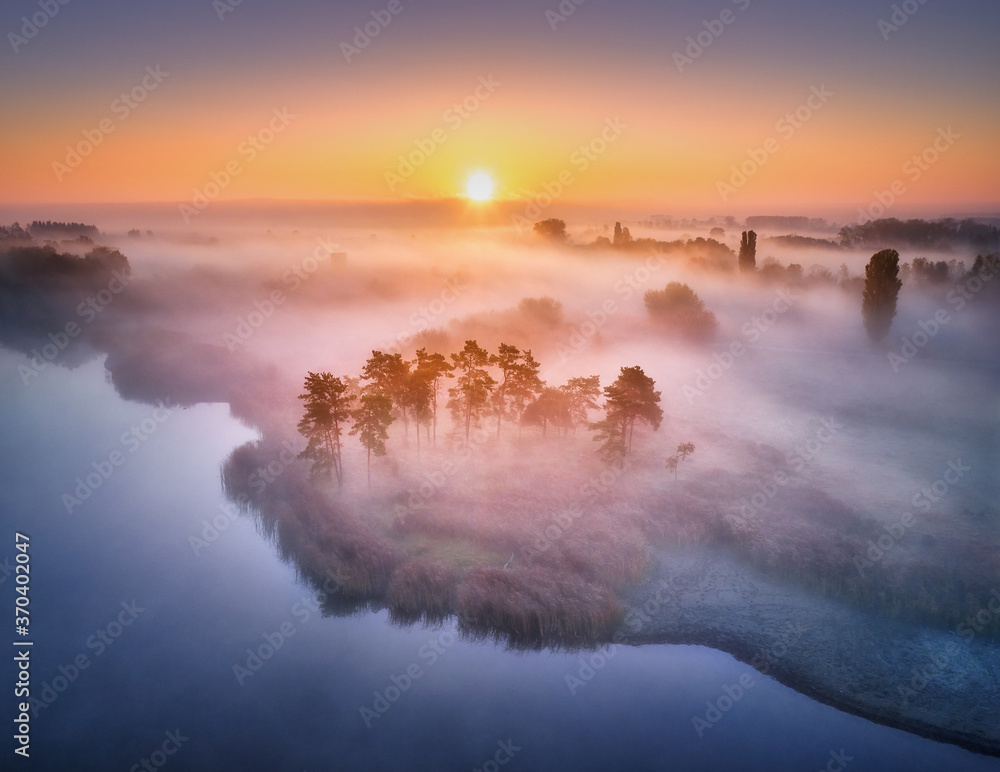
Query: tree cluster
x,y
921,234
48,228
503,386
678,309
552,229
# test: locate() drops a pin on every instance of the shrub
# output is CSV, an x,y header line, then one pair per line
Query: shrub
x,y
678,309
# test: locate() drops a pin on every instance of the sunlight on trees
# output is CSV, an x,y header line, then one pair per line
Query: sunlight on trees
x,y
326,412
631,397
410,389
470,396
371,425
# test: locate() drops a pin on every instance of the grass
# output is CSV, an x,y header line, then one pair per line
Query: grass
x,y
530,562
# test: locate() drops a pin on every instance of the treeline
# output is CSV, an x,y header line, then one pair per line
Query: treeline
x,y
702,252
14,233
50,227
921,234
501,386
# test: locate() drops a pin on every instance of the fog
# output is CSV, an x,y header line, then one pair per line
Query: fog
x,y
785,386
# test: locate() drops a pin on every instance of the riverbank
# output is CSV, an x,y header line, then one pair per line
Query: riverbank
x,y
936,683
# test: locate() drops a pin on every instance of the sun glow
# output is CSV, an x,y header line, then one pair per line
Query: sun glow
x,y
479,187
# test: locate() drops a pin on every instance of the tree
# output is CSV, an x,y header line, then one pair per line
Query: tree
x,y
677,309
629,398
419,399
388,375
878,301
433,368
985,266
622,236
581,398
684,450
551,407
748,252
471,393
519,382
371,425
327,408
552,229
544,310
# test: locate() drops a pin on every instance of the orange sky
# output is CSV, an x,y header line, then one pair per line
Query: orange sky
x,y
680,129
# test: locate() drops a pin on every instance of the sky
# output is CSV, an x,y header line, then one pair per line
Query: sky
x,y
714,107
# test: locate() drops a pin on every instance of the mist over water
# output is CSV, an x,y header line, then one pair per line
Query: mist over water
x,y
811,443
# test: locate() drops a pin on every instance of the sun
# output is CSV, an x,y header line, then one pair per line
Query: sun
x,y
479,187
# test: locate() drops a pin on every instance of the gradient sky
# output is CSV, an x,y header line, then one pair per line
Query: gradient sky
x,y
558,87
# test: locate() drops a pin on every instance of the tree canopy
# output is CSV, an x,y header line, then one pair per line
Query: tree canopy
x,y
327,409
630,398
470,395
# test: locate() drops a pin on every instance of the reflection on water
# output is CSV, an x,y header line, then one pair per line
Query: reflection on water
x,y
208,612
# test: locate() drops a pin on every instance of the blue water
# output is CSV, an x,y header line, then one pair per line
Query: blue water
x,y
166,679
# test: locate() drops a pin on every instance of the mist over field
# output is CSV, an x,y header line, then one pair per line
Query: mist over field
x,y
243,318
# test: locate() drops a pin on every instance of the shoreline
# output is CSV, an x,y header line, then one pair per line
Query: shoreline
x,y
922,680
